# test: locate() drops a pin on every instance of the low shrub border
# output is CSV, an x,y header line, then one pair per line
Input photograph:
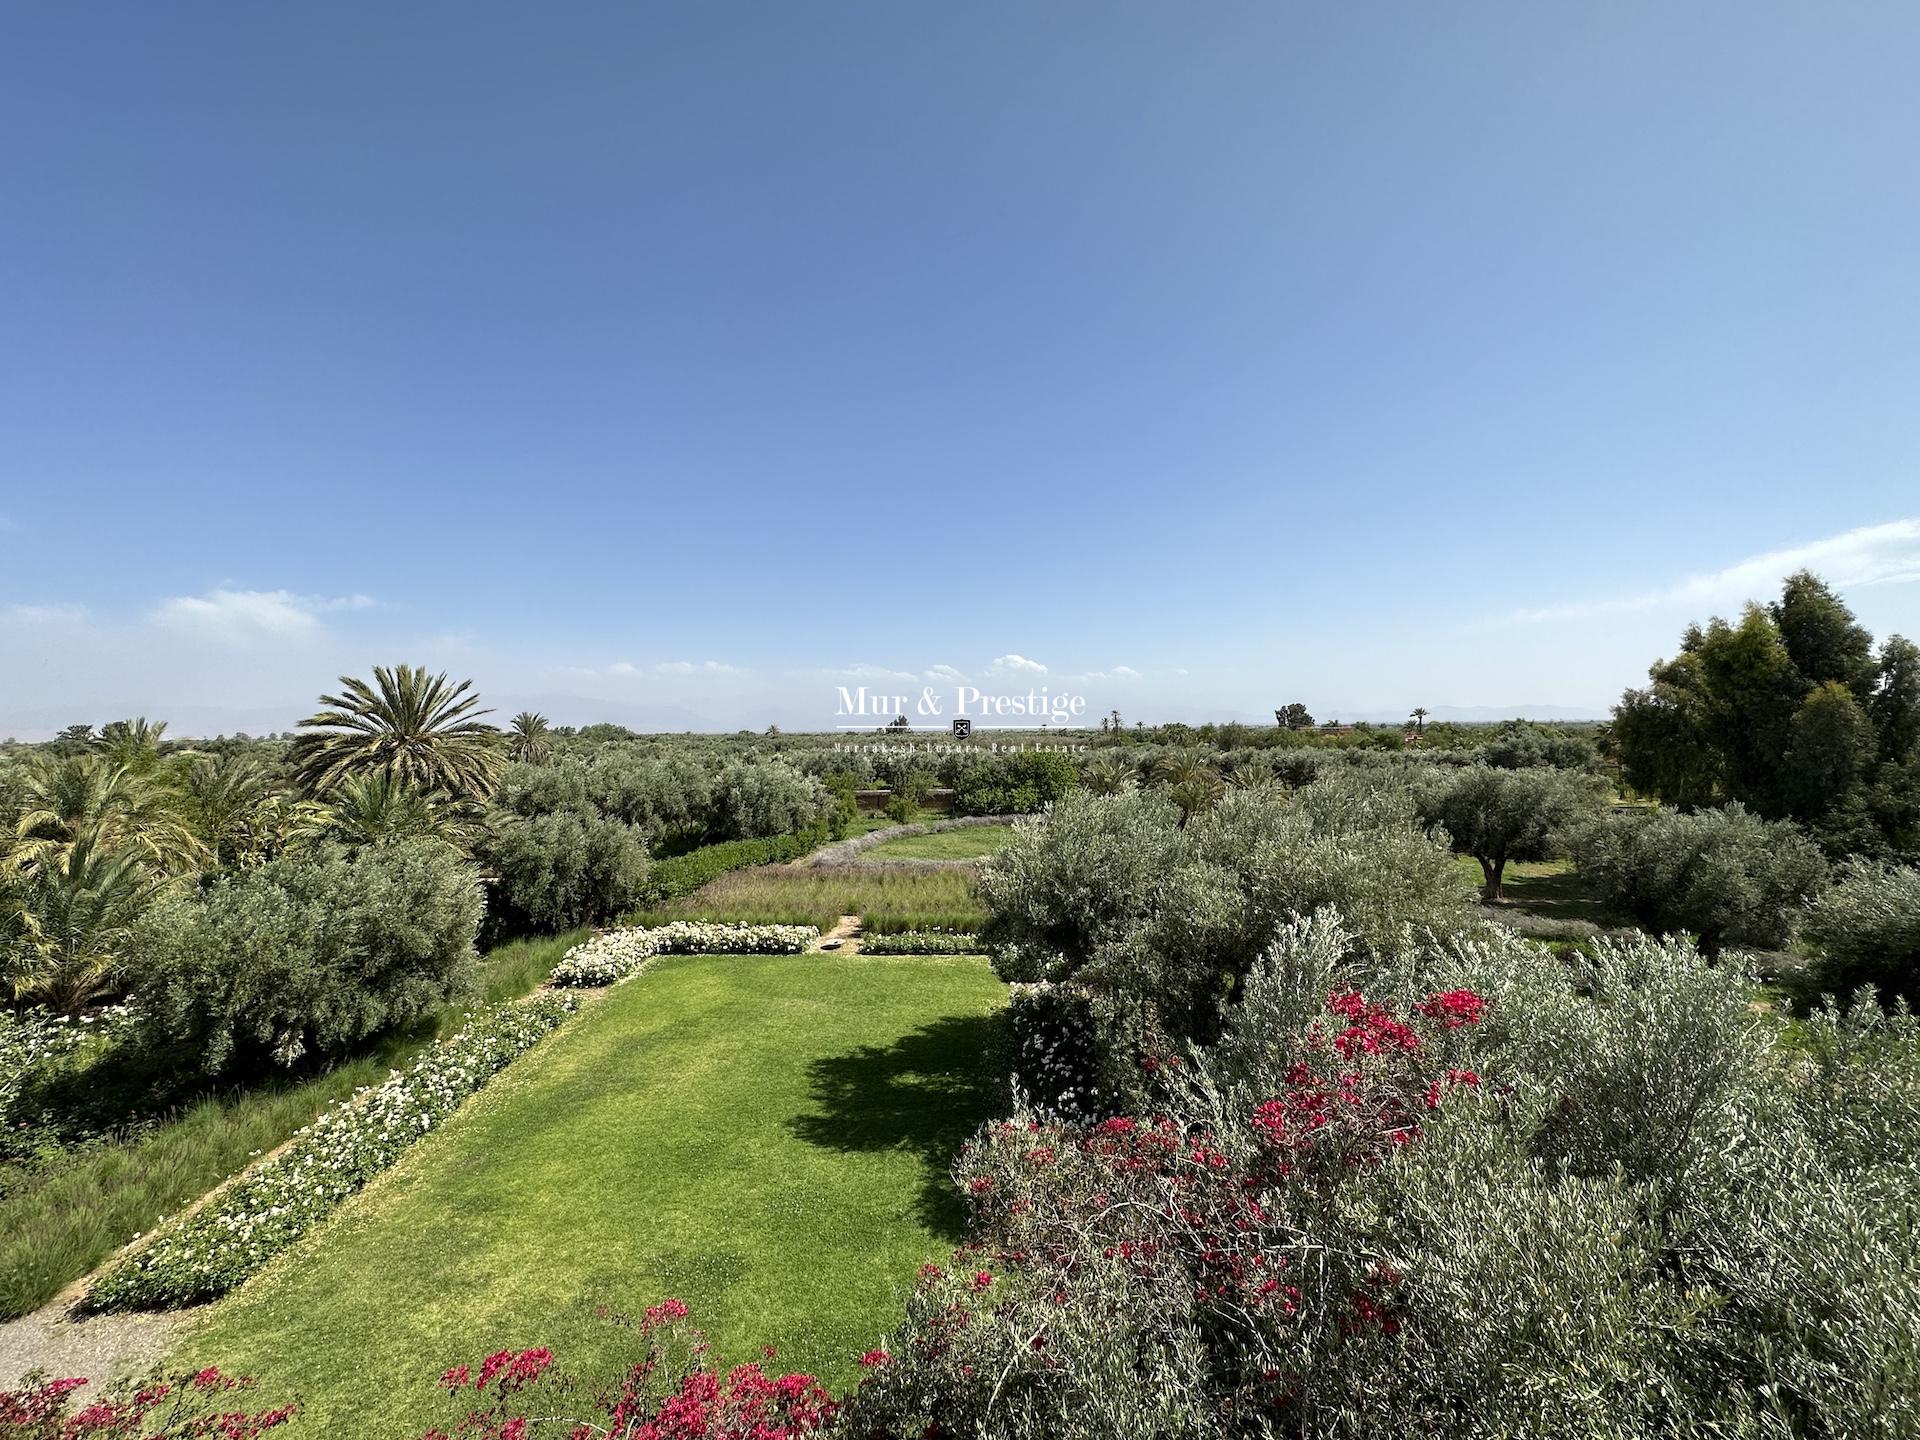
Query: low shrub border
x,y
922,942
208,1252
610,958
679,875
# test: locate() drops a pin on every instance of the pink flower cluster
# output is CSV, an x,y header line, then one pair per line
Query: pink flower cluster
x,y
670,1394
181,1406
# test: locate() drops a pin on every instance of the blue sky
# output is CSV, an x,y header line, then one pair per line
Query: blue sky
x,y
685,360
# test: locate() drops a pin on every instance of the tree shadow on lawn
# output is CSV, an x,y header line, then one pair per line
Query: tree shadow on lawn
x,y
926,1092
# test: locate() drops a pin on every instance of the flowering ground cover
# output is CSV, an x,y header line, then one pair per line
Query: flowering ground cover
x,y
764,1137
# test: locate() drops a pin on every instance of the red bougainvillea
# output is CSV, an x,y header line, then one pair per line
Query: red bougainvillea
x,y
176,1407
670,1393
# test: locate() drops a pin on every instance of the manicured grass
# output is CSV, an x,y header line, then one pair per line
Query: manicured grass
x,y
1548,888
866,823
66,1217
968,843
890,898
764,1137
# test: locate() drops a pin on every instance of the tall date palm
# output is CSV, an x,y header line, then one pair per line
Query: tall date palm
x,y
418,728
65,799
527,740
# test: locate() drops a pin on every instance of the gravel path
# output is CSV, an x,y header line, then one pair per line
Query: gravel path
x,y
846,931
100,1347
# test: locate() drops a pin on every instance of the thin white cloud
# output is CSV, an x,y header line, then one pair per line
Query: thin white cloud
x,y
861,670
943,674
26,615
1870,555
622,667
238,616
695,667
1118,672
1020,663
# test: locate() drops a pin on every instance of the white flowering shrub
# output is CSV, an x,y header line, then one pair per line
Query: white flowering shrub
x,y
612,957
209,1252
923,942
33,1043
1053,1048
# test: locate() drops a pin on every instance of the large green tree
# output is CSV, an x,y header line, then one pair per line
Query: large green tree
x,y
1498,816
421,729
1789,712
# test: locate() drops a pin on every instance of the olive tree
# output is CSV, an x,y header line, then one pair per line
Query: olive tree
x,y
1726,876
1499,815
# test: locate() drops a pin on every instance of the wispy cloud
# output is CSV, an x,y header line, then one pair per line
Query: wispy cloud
x,y
1118,672
1871,555
238,616
862,670
944,675
1019,663
696,667
26,615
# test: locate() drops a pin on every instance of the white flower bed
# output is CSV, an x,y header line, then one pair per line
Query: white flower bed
x,y
35,1041
612,957
211,1251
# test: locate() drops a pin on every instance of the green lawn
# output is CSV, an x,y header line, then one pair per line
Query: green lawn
x,y
1548,888
970,842
766,1138
63,1218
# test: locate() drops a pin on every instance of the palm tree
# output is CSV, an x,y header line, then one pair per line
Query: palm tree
x,y
1190,779
527,738
1194,794
414,726
132,744
370,809
64,800
1419,718
1258,774
1108,775
1183,763
222,799
76,912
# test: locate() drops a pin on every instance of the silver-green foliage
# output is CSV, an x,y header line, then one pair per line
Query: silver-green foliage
x,y
1867,928
1726,876
309,954
1161,920
1645,1219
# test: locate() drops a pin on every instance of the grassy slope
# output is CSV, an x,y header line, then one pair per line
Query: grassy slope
x,y
66,1219
766,1138
968,843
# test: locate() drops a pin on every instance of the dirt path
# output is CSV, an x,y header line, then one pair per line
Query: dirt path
x,y
846,931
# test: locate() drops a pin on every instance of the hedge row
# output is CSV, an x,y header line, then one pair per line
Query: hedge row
x,y
922,942
679,875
